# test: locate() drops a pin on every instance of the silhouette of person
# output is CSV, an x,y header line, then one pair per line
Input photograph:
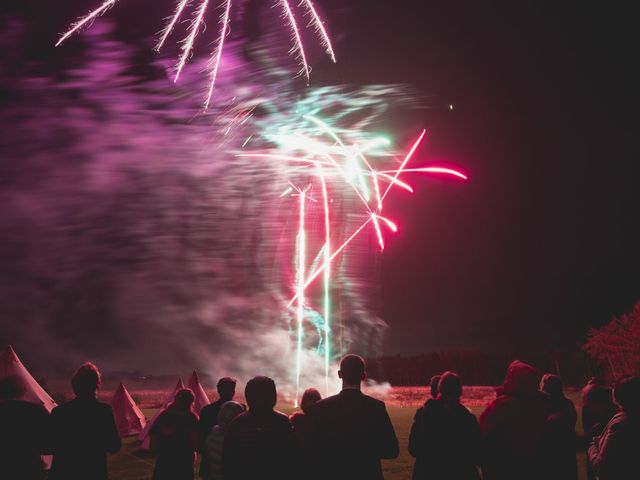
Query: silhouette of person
x,y
597,410
445,436
82,431
433,385
259,442
351,431
215,439
174,438
513,427
209,417
560,437
614,454
22,432
300,420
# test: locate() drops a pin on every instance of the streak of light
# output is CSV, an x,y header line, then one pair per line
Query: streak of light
x,y
187,43
315,274
167,30
217,55
317,21
297,46
447,171
86,19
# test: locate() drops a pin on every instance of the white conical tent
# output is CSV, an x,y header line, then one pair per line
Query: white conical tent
x,y
144,434
201,400
129,419
10,365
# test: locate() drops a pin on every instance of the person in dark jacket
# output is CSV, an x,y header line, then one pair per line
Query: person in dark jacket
x,y
352,432
174,438
513,427
560,441
300,420
209,418
614,454
260,443
445,436
22,432
82,431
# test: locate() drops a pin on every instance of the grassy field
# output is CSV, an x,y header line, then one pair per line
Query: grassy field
x,y
132,464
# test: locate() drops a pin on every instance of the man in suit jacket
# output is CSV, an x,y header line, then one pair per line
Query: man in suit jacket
x,y
82,431
351,432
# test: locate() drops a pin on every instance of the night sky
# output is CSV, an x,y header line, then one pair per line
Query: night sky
x,y
542,243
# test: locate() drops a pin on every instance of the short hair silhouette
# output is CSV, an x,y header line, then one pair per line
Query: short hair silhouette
x,y
551,384
433,385
626,393
450,385
11,387
352,369
226,386
184,398
310,397
228,411
86,380
260,393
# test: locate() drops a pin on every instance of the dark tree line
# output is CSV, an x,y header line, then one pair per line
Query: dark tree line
x,y
479,368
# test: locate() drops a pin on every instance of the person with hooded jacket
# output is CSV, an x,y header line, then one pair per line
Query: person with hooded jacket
x,y
445,436
513,427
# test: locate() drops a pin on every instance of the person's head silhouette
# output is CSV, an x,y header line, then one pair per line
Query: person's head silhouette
x,y
228,411
450,386
310,397
86,381
183,399
261,394
626,394
551,385
11,387
226,388
352,371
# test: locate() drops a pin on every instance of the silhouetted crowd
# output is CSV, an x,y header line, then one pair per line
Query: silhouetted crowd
x,y
526,433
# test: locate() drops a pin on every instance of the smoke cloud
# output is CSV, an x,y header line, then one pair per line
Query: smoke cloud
x,y
132,236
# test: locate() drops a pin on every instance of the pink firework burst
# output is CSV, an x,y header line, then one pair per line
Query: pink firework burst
x,y
197,24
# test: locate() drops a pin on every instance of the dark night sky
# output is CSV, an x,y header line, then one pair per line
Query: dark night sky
x,y
541,243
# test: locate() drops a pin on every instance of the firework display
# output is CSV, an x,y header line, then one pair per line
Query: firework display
x,y
322,152
328,159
